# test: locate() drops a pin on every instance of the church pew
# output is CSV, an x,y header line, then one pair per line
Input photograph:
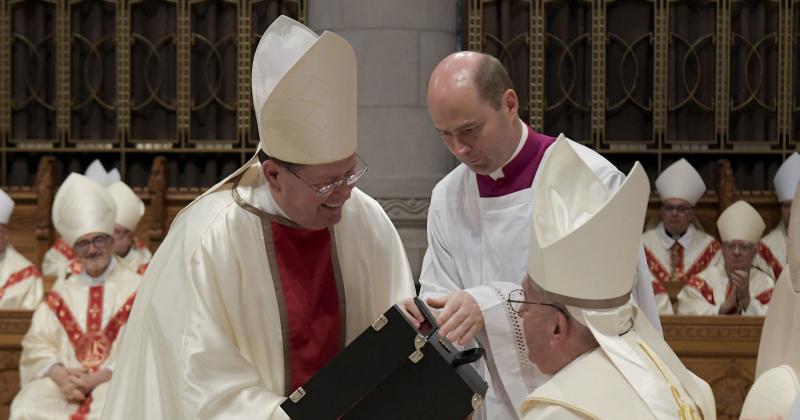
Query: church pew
x,y
722,350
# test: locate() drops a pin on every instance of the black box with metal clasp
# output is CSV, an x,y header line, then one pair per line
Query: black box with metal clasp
x,y
393,371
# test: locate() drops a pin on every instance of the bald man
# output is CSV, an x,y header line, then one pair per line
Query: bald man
x,y
479,219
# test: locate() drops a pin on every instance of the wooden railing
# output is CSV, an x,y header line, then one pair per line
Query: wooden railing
x,y
721,350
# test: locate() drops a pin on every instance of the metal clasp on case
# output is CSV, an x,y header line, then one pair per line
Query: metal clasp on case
x,y
380,323
476,401
297,395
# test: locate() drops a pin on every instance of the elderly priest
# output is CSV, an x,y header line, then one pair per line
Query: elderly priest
x,y
607,360
69,352
269,274
735,285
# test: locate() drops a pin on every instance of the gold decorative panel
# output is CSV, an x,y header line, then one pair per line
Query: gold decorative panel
x,y
127,80
654,80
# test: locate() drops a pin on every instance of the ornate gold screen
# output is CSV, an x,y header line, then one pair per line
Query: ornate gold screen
x,y
654,80
125,80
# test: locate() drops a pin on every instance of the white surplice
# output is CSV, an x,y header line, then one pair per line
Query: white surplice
x,y
205,340
481,245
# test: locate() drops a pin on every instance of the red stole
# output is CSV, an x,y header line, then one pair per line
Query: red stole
x,y
310,293
18,277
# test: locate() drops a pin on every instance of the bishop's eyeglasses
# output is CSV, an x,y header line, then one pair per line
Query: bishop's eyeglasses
x,y
517,300
325,190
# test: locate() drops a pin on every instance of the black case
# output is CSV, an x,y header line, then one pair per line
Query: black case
x,y
393,371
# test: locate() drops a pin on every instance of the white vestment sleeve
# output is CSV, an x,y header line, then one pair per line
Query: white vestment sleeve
x,y
692,302
40,346
755,308
218,381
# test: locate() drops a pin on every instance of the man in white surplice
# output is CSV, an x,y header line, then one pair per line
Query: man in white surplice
x,y
268,275
479,217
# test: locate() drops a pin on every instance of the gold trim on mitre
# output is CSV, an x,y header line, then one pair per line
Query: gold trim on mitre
x,y
584,239
740,221
82,206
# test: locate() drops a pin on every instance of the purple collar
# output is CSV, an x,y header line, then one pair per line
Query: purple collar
x,y
520,171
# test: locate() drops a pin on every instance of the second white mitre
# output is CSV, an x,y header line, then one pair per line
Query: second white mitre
x,y
570,262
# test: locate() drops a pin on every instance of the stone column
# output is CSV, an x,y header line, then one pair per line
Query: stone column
x,y
397,44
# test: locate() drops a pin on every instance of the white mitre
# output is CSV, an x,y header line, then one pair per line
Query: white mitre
x,y
584,239
772,395
6,207
82,206
680,180
787,177
97,172
304,96
584,245
130,208
740,222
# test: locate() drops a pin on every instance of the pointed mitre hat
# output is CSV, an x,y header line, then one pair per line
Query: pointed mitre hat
x,y
6,207
772,395
82,206
680,180
97,172
304,94
584,239
740,222
787,177
130,208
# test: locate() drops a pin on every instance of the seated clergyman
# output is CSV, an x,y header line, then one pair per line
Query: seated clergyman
x,y
70,349
20,281
130,210
607,360
735,285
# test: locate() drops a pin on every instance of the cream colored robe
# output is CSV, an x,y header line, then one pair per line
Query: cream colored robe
x,y
591,387
206,337
21,282
780,338
714,281
697,247
46,344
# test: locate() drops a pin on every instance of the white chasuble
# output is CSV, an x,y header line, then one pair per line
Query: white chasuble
x,y
78,325
208,335
20,282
